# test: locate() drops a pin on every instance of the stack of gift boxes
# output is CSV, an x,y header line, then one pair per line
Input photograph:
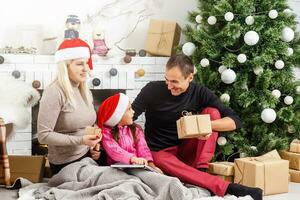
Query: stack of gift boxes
x,y
268,172
293,156
271,172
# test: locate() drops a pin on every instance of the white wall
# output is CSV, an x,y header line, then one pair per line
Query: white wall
x,y
22,22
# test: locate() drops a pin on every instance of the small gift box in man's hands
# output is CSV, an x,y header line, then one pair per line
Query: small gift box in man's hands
x,y
193,126
93,130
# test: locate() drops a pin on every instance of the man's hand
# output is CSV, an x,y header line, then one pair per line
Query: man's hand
x,y
204,137
138,161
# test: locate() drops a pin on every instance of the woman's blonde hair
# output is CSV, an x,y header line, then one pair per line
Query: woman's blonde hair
x,y
66,85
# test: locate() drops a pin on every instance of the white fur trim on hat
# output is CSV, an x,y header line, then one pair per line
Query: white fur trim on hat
x,y
119,111
72,53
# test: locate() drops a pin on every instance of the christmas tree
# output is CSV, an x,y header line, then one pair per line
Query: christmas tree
x,y
246,52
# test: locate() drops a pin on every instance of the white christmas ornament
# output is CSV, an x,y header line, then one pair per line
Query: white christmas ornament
x,y
225,97
273,14
204,62
198,19
287,12
258,70
290,51
251,38
221,141
188,48
279,64
298,89
287,34
221,69
228,76
268,115
229,16
249,20
212,20
288,100
276,93
254,148
242,58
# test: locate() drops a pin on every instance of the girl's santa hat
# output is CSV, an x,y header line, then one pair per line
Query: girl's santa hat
x,y
73,49
112,110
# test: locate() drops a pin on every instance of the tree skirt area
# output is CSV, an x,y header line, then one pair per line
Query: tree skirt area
x,y
87,180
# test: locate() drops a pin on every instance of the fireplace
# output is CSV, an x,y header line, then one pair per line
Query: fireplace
x,y
110,75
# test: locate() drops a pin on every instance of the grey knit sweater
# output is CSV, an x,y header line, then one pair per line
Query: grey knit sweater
x,y
62,127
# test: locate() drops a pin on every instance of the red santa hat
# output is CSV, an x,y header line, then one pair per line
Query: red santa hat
x,y
112,110
73,49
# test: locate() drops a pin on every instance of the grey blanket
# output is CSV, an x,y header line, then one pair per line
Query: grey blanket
x,y
87,180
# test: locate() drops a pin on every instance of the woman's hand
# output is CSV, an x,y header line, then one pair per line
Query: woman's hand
x,y
91,140
95,152
152,165
138,161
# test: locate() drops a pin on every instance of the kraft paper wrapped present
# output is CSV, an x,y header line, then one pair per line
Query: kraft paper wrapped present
x,y
295,176
226,178
193,126
272,155
162,37
294,159
295,146
29,167
221,168
271,175
92,130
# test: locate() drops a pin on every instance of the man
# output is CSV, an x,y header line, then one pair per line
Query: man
x,y
163,103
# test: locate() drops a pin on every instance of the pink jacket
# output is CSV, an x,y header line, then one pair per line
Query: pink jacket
x,y
125,148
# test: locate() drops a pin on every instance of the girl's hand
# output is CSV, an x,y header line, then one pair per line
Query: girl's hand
x,y
138,161
151,164
91,140
95,155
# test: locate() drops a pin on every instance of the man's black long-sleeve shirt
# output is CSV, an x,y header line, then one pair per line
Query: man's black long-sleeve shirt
x,y
162,109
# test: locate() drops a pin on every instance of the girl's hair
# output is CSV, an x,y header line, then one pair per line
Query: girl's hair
x,y
116,134
66,85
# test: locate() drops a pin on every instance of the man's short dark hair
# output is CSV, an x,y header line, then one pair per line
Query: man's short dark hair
x,y
183,62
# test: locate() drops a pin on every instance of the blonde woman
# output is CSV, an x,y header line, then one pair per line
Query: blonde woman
x,y
66,108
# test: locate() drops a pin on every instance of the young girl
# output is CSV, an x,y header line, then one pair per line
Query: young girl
x,y
122,139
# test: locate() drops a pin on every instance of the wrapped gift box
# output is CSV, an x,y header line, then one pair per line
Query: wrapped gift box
x,y
295,146
91,130
226,178
271,175
29,167
294,159
193,126
162,37
295,176
272,155
221,168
